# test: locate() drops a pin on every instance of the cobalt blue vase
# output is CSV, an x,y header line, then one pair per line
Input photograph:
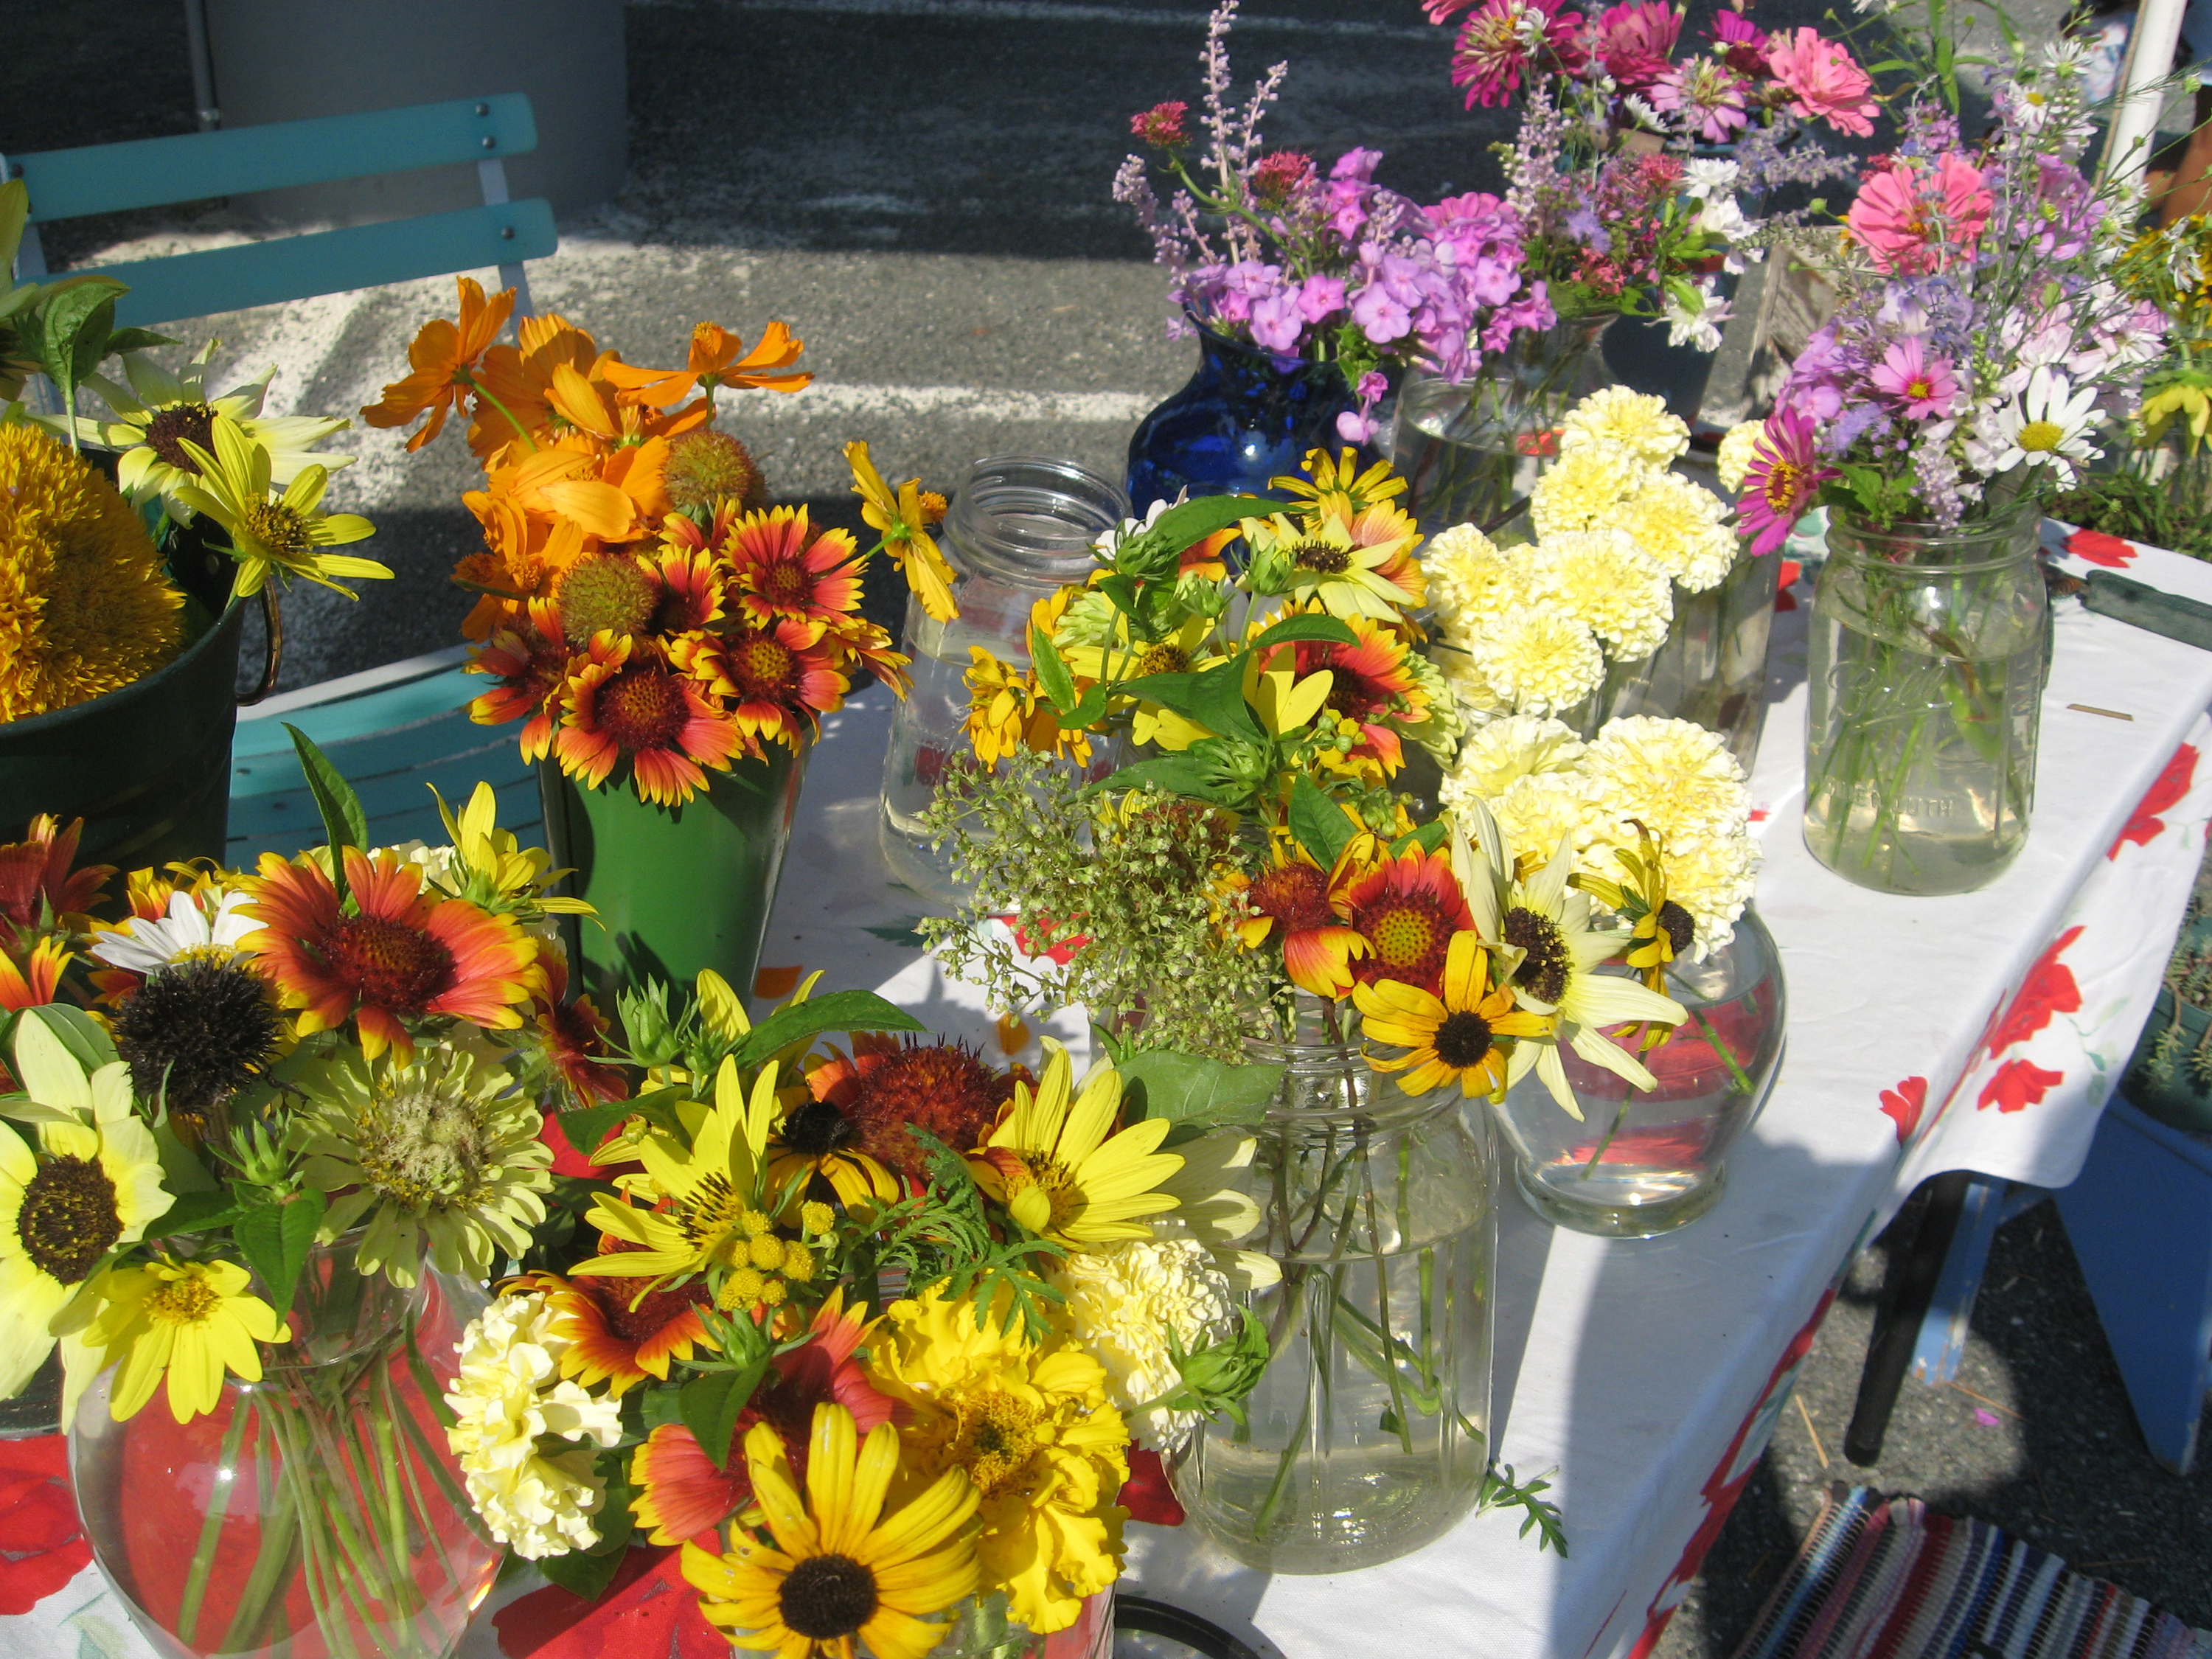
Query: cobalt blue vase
x,y
1246,417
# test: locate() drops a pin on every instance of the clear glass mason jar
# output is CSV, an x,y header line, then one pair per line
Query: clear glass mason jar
x,y
1641,1163
1367,1436
1926,663
1020,528
317,1514
1470,449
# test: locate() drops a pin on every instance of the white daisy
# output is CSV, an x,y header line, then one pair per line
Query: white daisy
x,y
145,945
1703,179
2050,426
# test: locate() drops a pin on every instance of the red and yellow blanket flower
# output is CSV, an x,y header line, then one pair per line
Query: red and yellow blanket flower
x,y
622,703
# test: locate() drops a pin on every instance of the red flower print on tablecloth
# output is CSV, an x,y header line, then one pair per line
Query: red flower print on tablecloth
x,y
2145,825
2097,547
41,1546
2048,989
1905,1102
2017,1086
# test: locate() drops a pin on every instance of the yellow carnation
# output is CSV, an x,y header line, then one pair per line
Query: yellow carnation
x,y
1582,489
1737,451
1680,526
1634,421
1673,775
1507,749
1609,585
1539,657
1468,577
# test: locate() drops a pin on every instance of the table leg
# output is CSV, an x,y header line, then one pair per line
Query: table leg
x,y
1908,1290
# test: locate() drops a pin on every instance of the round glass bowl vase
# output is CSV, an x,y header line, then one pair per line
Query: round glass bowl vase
x,y
1641,1163
1019,529
1366,1437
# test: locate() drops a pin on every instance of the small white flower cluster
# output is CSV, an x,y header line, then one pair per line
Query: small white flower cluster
x,y
1541,781
509,1394
1124,1299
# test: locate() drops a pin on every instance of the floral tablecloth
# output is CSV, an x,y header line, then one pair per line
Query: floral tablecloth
x,y
1981,1032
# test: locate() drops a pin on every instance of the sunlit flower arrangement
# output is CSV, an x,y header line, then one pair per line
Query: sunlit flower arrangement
x,y
641,608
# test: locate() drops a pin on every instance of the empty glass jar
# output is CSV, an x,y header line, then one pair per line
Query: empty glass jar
x,y
1020,527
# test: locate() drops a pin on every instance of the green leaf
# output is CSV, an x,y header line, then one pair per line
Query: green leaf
x,y
711,1404
15,213
85,1038
1192,1089
1318,823
344,822
1173,691
181,1169
1193,522
1428,838
1092,708
841,1011
276,1238
581,1573
587,1125
197,1213
75,315
1052,673
1218,697
1327,630
1175,774
136,339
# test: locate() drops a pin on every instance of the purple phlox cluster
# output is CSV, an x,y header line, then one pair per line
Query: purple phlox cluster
x,y
2066,211
1358,425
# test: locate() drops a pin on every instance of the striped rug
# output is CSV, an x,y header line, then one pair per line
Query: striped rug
x,y
1884,1578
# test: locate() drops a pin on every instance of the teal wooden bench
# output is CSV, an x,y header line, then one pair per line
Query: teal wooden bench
x,y
68,184
394,731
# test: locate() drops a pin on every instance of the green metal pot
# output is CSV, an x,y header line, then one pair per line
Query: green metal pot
x,y
677,888
147,768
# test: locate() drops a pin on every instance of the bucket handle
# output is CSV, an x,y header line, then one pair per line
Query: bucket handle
x,y
273,631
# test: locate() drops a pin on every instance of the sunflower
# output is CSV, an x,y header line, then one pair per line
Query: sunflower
x,y
789,571
840,1570
1029,1420
621,703
616,1335
187,1321
403,955
778,679
1294,903
1451,1038
705,1198
529,661
89,1187
1338,487
285,534
198,1031
889,1084
1058,1169
445,358
1359,566
1548,923
158,413
1406,908
904,520
440,1159
85,607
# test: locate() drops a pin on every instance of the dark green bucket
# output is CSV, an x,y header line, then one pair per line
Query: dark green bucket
x,y
147,768
676,889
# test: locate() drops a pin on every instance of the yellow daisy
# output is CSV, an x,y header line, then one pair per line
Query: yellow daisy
x,y
840,1570
1061,1171
1360,566
1452,1038
903,519
285,534
189,1320
1337,486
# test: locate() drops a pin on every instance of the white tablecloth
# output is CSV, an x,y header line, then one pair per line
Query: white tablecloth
x,y
1977,1032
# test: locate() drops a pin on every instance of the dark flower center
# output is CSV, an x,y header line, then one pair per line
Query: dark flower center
x,y
172,428
655,1311
1544,970
389,964
200,1029
1321,558
1677,926
784,584
642,708
1463,1040
68,1219
1296,896
941,1087
826,1596
817,1129
1164,658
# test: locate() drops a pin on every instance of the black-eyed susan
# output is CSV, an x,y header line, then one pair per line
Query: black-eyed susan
x,y
1057,1165
838,1570
188,1321
288,533
1453,1038
1357,565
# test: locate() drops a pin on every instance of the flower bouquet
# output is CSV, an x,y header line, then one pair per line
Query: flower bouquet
x,y
1978,327
1296,280
1261,926
662,633
251,1202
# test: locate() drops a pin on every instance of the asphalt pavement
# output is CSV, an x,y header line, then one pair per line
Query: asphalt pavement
x,y
920,188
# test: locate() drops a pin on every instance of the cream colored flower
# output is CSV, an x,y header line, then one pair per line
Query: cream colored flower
x,y
1609,585
1737,450
1479,701
508,1393
1124,1300
1673,775
1682,527
1534,811
1582,489
1468,574
1492,760
1539,657
1635,420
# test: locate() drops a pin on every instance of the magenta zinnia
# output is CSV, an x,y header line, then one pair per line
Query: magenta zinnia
x,y
1503,38
1780,483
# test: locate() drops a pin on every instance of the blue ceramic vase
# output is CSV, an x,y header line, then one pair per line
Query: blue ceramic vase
x,y
1246,417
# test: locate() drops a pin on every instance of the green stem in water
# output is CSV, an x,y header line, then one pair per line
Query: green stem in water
x,y
1739,1080
196,1576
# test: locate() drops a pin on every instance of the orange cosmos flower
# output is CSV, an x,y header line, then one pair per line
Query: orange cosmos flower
x,y
714,360
1406,908
530,662
1295,904
516,415
777,679
405,956
619,702
445,357
788,570
617,1336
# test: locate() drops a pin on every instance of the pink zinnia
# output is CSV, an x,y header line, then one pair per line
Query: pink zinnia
x,y
1822,80
1781,482
1742,41
1503,38
1161,127
1908,221
1924,385
1636,41
1707,94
